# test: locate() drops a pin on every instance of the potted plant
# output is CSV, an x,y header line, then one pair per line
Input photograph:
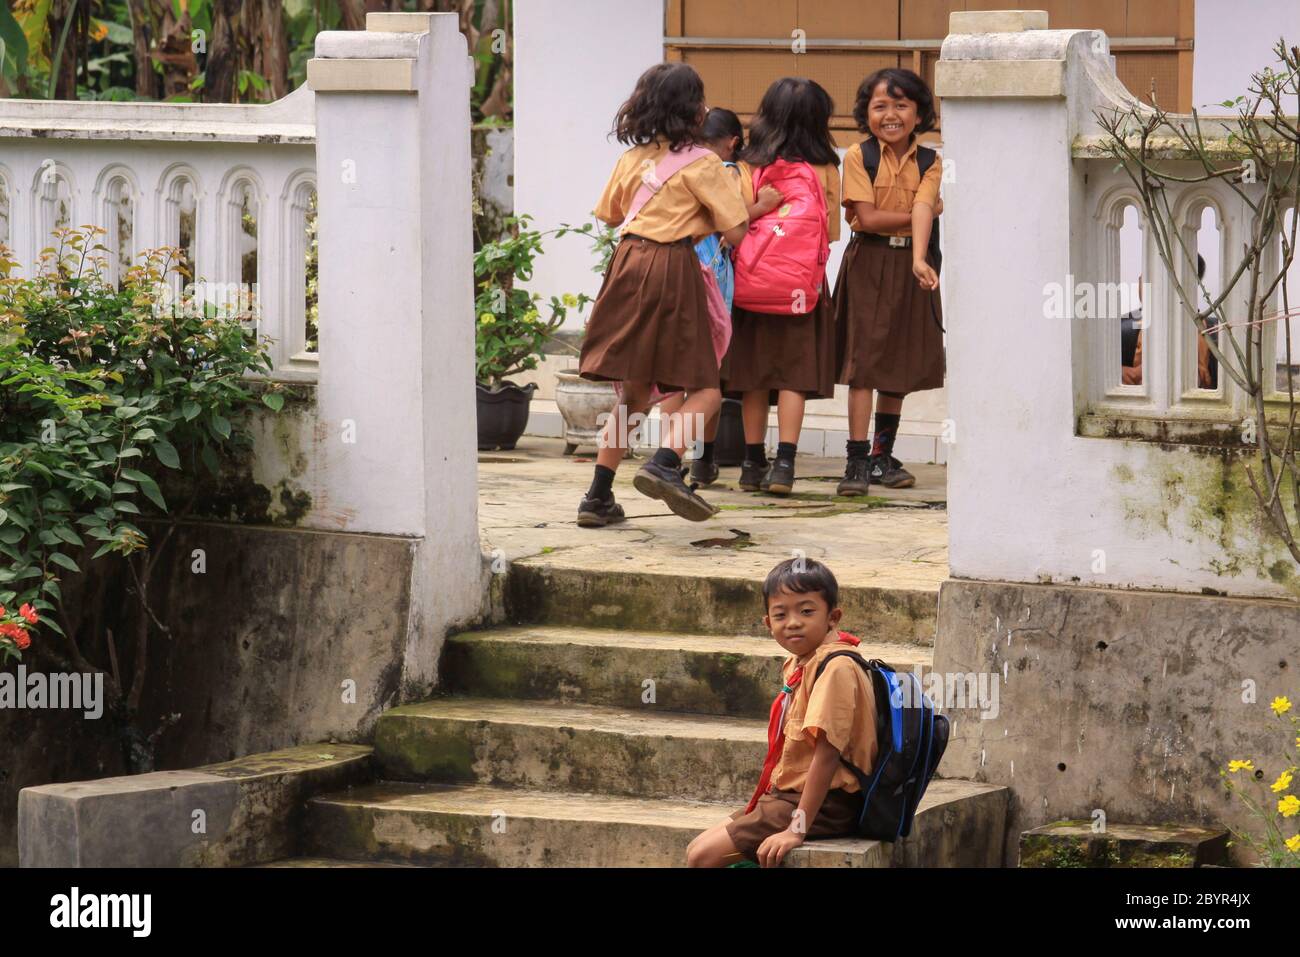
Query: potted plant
x,y
510,330
582,401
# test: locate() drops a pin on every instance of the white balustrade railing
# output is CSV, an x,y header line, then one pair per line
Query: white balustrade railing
x,y
232,186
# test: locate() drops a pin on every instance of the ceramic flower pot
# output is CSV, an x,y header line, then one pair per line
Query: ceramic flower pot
x,y
502,414
581,402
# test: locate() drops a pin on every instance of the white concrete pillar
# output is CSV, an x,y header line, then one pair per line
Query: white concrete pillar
x,y
396,391
1011,90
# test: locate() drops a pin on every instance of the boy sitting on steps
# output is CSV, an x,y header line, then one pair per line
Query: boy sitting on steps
x,y
805,790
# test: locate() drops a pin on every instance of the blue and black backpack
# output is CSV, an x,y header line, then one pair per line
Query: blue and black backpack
x,y
911,735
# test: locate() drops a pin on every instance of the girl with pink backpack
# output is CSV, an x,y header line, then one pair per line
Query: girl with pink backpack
x,y
651,330
783,323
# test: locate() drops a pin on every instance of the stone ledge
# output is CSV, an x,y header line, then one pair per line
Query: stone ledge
x,y
250,809
1027,79
996,21
361,75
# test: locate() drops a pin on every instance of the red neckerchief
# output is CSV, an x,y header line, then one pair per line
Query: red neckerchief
x,y
776,725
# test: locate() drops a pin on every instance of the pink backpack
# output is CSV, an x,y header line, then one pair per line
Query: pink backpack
x,y
781,263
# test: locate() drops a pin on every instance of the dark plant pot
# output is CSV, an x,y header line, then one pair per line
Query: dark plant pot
x,y
729,448
502,415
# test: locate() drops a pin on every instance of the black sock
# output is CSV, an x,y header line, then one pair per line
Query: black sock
x,y
707,454
602,484
668,459
886,430
785,450
756,453
859,449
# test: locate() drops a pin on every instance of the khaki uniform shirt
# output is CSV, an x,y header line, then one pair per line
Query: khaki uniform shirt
x,y
830,177
698,200
842,705
898,185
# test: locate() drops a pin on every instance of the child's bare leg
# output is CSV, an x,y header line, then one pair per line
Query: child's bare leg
x,y
860,414
672,404
687,425
636,400
789,415
890,404
713,848
711,426
753,412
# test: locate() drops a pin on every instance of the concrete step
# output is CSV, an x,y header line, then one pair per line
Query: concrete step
x,y
327,862
1076,844
643,751
548,592
631,668
960,823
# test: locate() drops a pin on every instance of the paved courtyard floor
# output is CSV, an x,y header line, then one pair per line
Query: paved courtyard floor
x,y
528,500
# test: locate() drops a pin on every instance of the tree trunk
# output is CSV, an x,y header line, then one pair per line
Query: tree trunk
x,y
144,29
223,53
272,48
65,81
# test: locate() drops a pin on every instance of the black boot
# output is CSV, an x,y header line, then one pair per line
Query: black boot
x,y
597,513
857,478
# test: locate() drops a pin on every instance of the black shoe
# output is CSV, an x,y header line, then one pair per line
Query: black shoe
x,y
751,475
593,513
889,472
857,478
779,479
703,473
665,484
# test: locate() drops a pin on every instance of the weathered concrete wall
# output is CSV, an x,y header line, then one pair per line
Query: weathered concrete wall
x,y
262,642
1125,701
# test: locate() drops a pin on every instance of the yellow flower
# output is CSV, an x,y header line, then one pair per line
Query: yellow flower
x,y
1281,705
531,315
569,299
1283,782
1235,766
1293,844
486,318
1289,806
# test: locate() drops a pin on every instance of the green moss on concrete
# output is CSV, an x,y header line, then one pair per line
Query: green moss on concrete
x,y
1202,494
410,748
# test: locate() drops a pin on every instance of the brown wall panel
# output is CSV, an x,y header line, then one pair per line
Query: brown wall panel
x,y
1153,18
740,18
926,19
1137,70
860,20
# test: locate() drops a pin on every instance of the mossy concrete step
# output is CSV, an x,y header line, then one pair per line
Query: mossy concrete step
x,y
487,826
538,591
703,674
1076,844
643,752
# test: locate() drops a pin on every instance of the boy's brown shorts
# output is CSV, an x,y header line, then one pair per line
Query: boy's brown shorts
x,y
838,817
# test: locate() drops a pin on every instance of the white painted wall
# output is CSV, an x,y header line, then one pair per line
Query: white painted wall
x,y
576,61
1029,499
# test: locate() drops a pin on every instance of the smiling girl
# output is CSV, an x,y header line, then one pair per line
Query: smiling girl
x,y
889,323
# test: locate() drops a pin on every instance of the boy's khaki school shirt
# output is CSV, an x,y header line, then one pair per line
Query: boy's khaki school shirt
x,y
698,200
830,177
897,184
842,705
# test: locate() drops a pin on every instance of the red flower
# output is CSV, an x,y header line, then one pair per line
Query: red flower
x,y
22,640
16,632
29,613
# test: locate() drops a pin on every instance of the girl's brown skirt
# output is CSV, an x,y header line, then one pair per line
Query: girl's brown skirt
x,y
783,352
888,334
650,322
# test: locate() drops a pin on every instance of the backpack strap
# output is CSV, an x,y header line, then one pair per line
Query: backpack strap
x,y
673,162
925,158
